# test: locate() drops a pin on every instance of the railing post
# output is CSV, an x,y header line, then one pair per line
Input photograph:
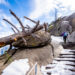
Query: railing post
x,y
35,69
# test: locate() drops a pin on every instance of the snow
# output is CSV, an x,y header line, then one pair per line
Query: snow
x,y
17,67
58,68
57,39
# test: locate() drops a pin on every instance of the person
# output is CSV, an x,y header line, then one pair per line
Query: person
x,y
65,34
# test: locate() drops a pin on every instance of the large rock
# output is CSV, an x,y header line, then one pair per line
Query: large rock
x,y
65,27
71,37
63,24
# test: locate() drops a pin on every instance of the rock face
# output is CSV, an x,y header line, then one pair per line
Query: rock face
x,y
65,27
71,37
65,24
71,20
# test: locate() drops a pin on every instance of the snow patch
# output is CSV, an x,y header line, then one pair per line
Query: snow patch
x,y
57,39
17,67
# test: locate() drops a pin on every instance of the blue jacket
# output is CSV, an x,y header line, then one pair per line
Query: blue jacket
x,y
64,34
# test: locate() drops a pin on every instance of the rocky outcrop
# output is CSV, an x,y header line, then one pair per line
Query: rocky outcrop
x,y
71,37
65,24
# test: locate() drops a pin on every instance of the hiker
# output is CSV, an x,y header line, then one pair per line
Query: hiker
x,y
65,34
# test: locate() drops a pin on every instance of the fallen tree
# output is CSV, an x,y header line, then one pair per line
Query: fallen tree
x,y
28,37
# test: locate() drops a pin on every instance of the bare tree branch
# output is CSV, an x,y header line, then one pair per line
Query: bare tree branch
x,y
13,30
16,29
17,19
30,19
45,25
39,27
11,24
28,26
34,29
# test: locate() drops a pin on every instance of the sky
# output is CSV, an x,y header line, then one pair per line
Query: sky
x,y
42,10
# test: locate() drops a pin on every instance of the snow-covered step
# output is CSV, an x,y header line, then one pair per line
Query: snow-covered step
x,y
63,65
65,62
67,53
61,73
50,66
60,69
67,56
69,50
64,59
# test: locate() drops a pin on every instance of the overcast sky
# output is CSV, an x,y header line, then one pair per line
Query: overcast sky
x,y
42,10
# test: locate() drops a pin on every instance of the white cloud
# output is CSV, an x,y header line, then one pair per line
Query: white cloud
x,y
0,28
43,7
7,33
69,3
4,16
4,2
4,24
9,17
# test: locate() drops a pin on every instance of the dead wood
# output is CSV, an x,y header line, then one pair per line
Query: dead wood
x,y
28,36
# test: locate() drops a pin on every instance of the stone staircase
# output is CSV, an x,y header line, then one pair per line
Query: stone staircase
x,y
63,65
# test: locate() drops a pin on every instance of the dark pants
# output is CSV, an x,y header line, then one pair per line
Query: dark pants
x,y
64,38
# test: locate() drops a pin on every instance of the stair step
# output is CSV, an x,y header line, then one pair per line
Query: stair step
x,y
63,65
64,58
67,56
70,64
67,53
48,73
